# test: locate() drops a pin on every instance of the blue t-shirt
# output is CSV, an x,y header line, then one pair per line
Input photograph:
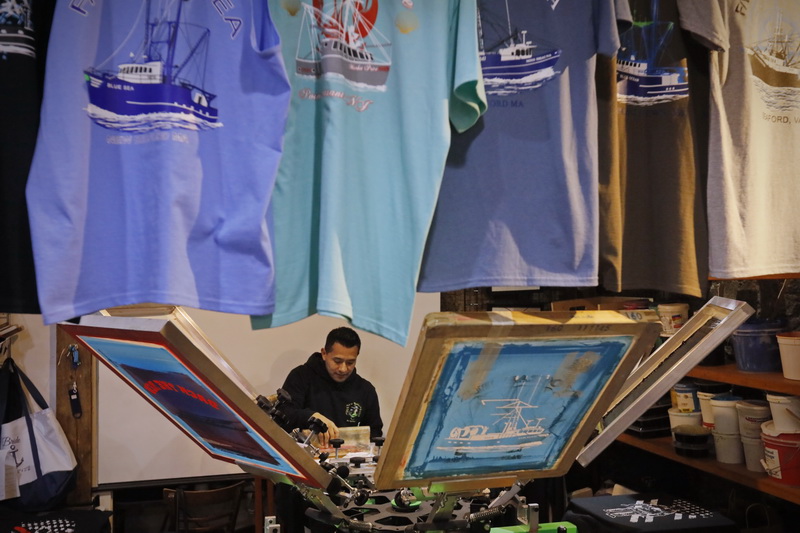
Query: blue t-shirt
x,y
161,134
519,200
374,88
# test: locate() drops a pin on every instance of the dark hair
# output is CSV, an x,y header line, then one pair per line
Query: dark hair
x,y
345,336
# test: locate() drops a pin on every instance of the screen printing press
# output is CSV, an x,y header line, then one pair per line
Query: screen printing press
x,y
491,401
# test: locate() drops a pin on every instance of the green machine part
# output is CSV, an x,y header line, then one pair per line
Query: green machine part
x,y
550,527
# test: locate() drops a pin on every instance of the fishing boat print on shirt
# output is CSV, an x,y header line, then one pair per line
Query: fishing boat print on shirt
x,y
511,61
339,41
646,72
16,28
774,56
161,85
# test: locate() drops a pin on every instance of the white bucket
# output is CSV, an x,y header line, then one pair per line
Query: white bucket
x,y
752,413
726,419
728,447
753,453
789,346
673,316
785,412
679,418
705,407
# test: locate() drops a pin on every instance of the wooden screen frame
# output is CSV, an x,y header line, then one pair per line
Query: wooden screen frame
x,y
441,332
177,334
660,371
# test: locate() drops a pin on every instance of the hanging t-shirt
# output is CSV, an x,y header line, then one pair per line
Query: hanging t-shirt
x,y
653,232
161,135
753,189
23,48
518,205
374,84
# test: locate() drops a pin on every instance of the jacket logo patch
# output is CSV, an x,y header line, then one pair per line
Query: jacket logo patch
x,y
353,412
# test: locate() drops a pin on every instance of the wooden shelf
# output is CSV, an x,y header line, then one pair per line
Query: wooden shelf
x,y
736,473
768,381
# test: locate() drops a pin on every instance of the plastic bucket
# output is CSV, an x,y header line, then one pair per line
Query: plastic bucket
x,y
705,407
714,387
789,348
755,346
782,407
752,413
672,316
726,418
728,447
692,441
782,457
753,453
686,397
679,418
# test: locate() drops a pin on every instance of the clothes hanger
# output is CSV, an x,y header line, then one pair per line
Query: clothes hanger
x,y
8,330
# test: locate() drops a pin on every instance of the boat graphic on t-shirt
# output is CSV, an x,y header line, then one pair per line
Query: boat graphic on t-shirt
x,y
644,73
510,61
776,59
339,40
161,86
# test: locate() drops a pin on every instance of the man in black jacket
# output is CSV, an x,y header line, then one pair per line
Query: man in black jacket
x,y
328,387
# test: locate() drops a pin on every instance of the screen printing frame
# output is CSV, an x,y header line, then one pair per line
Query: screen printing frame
x,y
487,348
666,366
139,344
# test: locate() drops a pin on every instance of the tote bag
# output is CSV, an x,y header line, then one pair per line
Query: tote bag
x,y
39,466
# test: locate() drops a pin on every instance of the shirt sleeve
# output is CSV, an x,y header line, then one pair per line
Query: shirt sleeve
x,y
297,387
611,17
468,101
706,22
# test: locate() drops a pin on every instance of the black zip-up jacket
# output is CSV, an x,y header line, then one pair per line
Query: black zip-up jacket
x,y
352,402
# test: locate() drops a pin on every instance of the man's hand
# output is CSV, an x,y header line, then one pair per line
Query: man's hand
x,y
332,433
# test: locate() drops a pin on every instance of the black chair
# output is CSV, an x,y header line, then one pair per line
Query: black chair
x,y
203,511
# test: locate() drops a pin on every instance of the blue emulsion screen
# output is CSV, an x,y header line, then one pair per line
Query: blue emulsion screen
x,y
506,406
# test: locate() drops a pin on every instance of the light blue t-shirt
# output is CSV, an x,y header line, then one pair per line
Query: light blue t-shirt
x,y
519,200
375,86
160,138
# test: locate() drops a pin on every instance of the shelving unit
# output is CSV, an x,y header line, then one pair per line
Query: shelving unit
x,y
769,381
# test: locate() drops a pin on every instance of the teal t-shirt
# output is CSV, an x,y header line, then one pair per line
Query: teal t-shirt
x,y
375,88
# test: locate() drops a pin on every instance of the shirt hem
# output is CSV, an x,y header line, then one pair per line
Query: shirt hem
x,y
509,282
61,313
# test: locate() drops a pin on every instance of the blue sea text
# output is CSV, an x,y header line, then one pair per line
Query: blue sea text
x,y
222,7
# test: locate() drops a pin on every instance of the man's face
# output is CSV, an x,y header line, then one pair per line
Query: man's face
x,y
340,361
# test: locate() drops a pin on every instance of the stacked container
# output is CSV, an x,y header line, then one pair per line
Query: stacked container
x,y
685,420
755,345
781,454
727,439
705,391
752,414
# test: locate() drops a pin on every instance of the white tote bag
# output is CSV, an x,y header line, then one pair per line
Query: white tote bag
x,y
38,463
